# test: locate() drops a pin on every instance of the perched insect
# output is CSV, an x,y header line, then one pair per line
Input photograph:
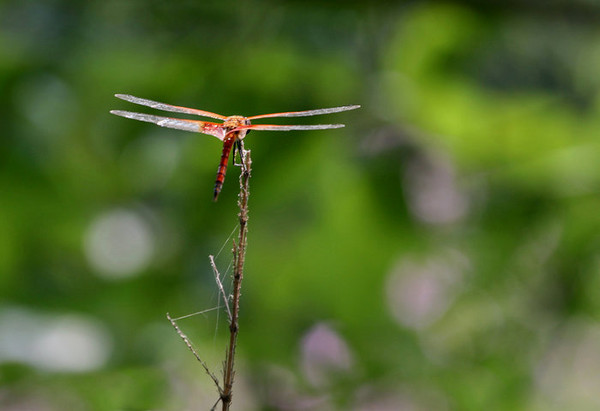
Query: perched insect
x,y
232,130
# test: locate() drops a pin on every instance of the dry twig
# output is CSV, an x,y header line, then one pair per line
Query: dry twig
x,y
220,285
189,345
239,254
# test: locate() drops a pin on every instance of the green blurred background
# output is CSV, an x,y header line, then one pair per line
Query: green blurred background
x,y
441,252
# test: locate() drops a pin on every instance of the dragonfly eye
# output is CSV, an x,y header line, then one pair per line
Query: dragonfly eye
x,y
246,122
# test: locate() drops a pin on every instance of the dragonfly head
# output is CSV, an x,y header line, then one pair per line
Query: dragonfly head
x,y
233,122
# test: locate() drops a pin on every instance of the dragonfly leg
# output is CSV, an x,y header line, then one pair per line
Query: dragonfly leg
x,y
238,147
241,153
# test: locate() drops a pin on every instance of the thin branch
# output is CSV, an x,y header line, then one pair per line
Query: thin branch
x,y
220,285
239,254
189,345
196,313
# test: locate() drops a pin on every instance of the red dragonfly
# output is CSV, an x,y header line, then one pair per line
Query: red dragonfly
x,y
231,131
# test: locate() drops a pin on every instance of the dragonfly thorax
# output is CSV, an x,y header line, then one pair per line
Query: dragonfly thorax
x,y
233,122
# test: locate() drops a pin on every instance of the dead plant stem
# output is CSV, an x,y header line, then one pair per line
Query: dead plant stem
x,y
239,253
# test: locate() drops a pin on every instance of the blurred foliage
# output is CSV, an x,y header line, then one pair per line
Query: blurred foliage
x,y
440,252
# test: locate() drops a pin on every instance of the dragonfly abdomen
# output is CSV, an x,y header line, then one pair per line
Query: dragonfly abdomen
x,y
227,146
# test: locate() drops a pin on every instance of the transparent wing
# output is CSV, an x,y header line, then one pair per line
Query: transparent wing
x,y
195,126
277,127
307,112
168,107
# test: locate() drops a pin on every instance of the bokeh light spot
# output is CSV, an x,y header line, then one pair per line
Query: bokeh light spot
x,y
63,343
119,243
432,192
324,354
418,293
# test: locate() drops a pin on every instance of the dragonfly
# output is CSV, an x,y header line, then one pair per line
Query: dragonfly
x,y
231,131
